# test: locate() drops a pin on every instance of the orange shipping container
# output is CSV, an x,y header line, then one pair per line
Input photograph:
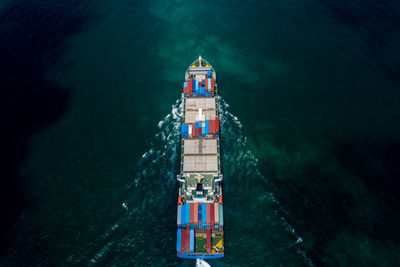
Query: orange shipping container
x,y
196,213
191,213
216,214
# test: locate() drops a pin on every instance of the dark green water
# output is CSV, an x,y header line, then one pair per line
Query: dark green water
x,y
90,130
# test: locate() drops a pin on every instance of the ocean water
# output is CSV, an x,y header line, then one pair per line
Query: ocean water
x,y
90,115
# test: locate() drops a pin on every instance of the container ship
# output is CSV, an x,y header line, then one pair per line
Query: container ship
x,y
200,220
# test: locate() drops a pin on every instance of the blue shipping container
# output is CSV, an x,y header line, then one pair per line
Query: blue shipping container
x,y
207,127
200,214
191,240
187,213
184,84
185,131
209,74
204,208
178,240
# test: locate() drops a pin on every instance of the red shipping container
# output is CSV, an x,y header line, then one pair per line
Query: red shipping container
x,y
211,125
187,239
212,83
206,84
189,84
183,240
212,213
208,240
194,134
217,125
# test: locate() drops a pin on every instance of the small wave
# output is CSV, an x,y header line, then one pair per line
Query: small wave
x,y
156,171
202,263
245,166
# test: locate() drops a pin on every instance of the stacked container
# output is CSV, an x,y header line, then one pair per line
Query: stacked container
x,y
221,216
187,239
200,216
178,239
179,216
183,240
191,240
195,214
183,222
191,222
204,215
185,131
216,215
217,127
187,214
212,214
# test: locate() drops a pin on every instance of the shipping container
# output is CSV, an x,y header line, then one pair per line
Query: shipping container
x,y
216,124
212,211
191,213
187,214
185,131
179,216
209,74
195,213
216,214
178,239
192,240
212,83
183,240
208,240
204,214
221,216
199,218
207,127
208,213
183,215
187,239
211,124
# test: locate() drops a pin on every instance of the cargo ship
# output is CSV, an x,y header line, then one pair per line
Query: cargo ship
x,y
200,220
